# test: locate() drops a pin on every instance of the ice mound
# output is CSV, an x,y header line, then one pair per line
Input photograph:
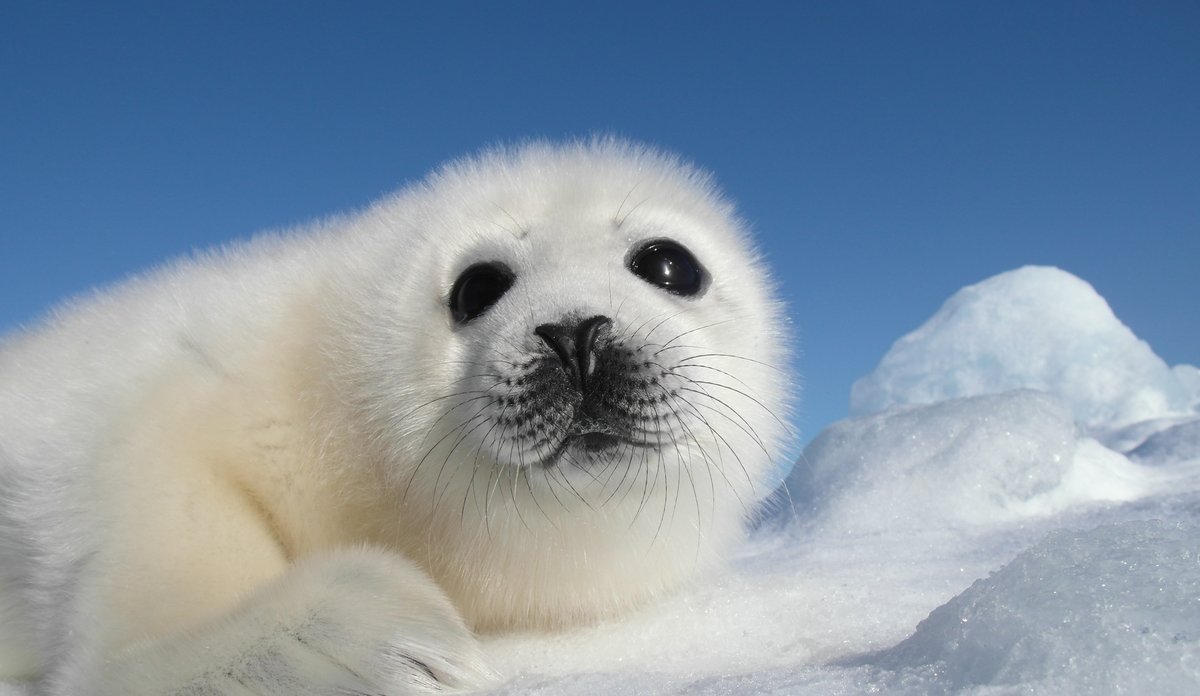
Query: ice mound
x,y
1115,609
975,461
1038,328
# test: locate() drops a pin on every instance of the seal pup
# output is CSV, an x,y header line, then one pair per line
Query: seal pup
x,y
541,387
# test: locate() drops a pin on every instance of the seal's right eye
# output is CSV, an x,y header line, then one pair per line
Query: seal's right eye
x,y
478,288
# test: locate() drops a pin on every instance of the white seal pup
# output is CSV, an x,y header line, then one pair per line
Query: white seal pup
x,y
541,387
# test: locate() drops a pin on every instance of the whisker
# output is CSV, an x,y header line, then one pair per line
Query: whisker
x,y
617,219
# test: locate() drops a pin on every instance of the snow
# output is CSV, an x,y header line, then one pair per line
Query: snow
x,y
1005,457
1013,510
1115,608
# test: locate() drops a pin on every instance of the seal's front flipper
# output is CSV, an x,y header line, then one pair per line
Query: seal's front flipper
x,y
349,622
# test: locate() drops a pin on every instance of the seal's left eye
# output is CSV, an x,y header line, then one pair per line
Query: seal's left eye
x,y
668,265
478,288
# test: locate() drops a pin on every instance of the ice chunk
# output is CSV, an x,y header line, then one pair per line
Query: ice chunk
x,y
979,460
1038,328
1112,610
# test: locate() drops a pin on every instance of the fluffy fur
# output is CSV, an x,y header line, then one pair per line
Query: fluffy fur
x,y
284,468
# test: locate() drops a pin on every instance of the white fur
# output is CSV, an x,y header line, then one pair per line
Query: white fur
x,y
276,469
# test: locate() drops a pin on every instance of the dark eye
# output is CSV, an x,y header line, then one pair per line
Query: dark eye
x,y
478,288
669,266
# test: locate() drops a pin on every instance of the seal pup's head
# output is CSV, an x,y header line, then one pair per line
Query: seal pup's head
x,y
569,365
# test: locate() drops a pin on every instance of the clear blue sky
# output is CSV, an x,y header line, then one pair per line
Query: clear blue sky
x,y
887,153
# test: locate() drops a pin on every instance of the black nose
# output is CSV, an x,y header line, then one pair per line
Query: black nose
x,y
575,345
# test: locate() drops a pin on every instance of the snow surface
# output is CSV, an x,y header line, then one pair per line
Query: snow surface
x,y
968,533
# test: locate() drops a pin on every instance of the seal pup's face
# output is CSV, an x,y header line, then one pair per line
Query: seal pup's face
x,y
579,392
574,367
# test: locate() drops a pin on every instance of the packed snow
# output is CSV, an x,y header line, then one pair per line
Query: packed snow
x,y
1014,509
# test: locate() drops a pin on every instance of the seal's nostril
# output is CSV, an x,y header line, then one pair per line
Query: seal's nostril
x,y
561,339
585,344
574,344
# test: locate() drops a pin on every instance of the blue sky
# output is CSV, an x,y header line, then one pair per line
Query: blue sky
x,y
886,153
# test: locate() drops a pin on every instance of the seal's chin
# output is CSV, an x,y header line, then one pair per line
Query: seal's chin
x,y
594,446
595,442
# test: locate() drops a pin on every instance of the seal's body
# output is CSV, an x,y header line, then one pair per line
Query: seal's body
x,y
539,388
